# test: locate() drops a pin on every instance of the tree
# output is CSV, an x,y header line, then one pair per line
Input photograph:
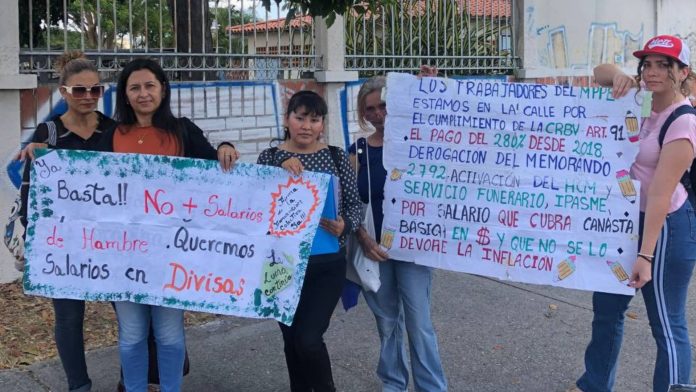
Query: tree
x,y
407,33
191,21
328,8
225,17
93,24
144,22
38,13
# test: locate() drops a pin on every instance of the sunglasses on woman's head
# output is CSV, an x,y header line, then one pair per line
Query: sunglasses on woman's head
x,y
95,91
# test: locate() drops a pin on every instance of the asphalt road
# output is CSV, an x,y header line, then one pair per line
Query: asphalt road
x,y
494,336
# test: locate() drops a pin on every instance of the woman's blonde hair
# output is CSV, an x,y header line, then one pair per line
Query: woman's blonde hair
x,y
375,83
71,63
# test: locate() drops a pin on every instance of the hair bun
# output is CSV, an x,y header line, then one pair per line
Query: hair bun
x,y
67,57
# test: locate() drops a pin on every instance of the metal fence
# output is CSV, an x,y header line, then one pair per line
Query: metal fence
x,y
240,40
458,36
192,39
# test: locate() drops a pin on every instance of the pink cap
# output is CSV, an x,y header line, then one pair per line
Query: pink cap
x,y
666,45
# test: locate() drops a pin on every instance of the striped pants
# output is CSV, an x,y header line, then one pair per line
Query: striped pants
x,y
665,302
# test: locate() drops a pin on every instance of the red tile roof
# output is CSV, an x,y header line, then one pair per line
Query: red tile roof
x,y
270,25
485,8
490,8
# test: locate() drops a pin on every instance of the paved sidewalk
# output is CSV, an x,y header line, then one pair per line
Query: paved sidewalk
x,y
494,337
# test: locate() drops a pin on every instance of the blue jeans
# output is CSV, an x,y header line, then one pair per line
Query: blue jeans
x,y
403,302
70,316
133,328
665,302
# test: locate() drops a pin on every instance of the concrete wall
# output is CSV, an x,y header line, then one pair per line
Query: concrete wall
x,y
250,114
678,17
566,38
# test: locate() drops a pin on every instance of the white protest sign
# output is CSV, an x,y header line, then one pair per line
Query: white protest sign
x,y
525,182
170,231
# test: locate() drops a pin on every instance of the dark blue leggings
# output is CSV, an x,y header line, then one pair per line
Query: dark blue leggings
x,y
306,355
70,314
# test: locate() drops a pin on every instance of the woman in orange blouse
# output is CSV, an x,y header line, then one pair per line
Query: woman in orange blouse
x,y
147,126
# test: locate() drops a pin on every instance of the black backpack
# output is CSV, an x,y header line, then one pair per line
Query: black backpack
x,y
688,180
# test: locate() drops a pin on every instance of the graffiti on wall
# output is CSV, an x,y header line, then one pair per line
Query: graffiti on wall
x,y
605,43
608,44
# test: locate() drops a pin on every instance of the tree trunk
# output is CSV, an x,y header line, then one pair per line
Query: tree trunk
x,y
190,19
90,30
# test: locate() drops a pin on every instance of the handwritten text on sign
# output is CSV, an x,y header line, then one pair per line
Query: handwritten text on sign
x,y
171,231
517,181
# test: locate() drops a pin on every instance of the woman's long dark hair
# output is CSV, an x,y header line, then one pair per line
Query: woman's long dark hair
x,y
163,119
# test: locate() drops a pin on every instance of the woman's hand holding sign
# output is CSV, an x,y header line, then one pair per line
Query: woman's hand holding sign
x,y
333,226
370,247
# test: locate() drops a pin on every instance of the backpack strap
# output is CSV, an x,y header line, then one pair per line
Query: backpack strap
x,y
366,147
684,109
52,139
335,156
358,152
686,177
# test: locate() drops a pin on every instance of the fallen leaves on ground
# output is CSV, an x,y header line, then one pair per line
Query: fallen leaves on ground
x,y
551,310
632,315
26,326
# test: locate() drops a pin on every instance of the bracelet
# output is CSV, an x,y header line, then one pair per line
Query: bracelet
x,y
225,144
645,257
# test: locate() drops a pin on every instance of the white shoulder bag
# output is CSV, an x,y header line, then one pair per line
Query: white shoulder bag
x,y
361,269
